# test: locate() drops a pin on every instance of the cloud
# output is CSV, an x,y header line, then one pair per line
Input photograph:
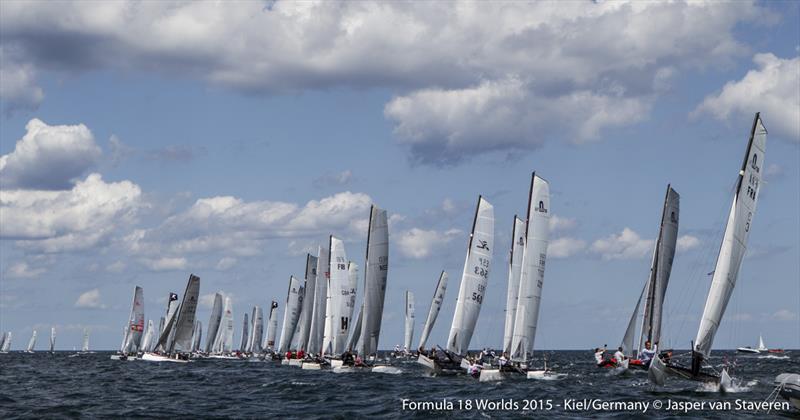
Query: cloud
x,y
18,90
116,267
565,247
446,126
772,89
22,270
561,223
77,219
49,157
773,172
547,67
687,243
784,315
334,179
418,243
226,263
90,299
165,263
623,246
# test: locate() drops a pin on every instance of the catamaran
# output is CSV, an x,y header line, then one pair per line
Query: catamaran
x,y
433,312
223,340
526,278
291,316
133,330
339,308
477,267
654,290
307,312
176,339
313,349
31,343
729,260
6,342
85,345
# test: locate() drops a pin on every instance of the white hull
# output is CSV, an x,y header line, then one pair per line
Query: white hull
x,y
310,366
221,356
748,350
386,369
657,372
152,357
295,362
428,363
725,381
336,363
490,375
285,362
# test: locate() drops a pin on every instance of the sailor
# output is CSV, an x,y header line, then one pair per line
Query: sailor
x,y
474,369
503,360
648,352
619,356
599,357
396,349
301,354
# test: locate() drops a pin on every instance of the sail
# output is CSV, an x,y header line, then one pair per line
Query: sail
x,y
245,335
133,336
6,342
225,335
85,344
474,278
184,324
164,339
534,257
630,332
147,339
291,313
257,340
337,318
734,242
761,345
514,274
214,322
352,341
352,285
376,269
309,299
409,331
272,326
52,339
317,330
32,342
433,312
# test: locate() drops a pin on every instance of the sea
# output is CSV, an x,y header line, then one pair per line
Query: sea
x,y
63,385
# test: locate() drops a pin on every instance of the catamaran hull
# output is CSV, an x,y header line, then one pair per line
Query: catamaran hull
x,y
748,350
311,366
151,357
789,387
438,368
295,362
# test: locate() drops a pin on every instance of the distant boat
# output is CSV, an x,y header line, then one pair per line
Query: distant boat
x,y
433,311
477,267
268,347
729,260
31,343
409,324
135,327
762,348
85,344
6,342
52,339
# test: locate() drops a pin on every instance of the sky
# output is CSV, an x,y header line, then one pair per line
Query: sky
x,y
144,141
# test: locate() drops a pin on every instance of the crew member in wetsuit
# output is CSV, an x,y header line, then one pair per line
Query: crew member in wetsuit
x,y
648,353
619,356
599,357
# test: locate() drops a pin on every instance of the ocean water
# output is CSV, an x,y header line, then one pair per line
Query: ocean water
x,y
42,385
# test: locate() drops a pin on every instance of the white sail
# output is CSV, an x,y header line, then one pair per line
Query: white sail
x,y
165,338
317,330
355,335
409,330
245,334
214,322
147,340
291,313
734,243
272,326
375,275
337,311
514,274
52,339
6,343
309,300
473,279
630,332
433,312
225,335
537,232
184,324
133,336
761,345
257,340
32,342
352,285
85,344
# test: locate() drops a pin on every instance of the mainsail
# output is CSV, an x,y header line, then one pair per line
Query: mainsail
x,y
409,330
537,231
291,313
32,342
272,327
257,335
85,344
214,322
317,331
6,343
245,335
337,319
473,279
184,324
308,301
630,331
514,274
52,339
168,331
375,274
433,312
734,243
133,334
225,335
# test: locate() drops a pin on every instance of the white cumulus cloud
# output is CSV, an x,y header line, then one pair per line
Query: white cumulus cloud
x,y
419,243
565,247
165,263
771,88
687,243
22,270
623,246
90,299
